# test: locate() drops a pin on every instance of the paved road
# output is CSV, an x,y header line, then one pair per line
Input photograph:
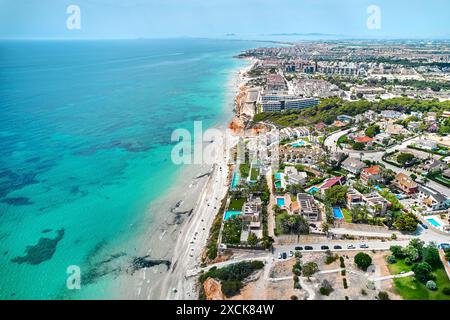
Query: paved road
x,y
373,245
400,275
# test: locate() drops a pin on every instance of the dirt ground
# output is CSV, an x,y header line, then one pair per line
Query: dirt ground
x,y
275,281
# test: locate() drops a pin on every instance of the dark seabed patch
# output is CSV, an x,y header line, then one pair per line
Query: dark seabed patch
x,y
18,201
47,230
42,251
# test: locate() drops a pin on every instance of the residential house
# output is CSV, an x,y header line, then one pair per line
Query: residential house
x,y
308,207
395,129
292,176
331,182
433,165
368,141
405,183
371,175
433,199
376,204
353,165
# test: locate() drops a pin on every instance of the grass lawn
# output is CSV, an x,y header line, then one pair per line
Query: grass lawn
x,y
278,218
347,215
254,174
244,169
236,204
411,289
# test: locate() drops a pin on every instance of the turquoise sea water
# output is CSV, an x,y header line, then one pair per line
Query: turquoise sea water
x,y
85,140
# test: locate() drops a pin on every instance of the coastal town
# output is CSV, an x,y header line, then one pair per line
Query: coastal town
x,y
357,206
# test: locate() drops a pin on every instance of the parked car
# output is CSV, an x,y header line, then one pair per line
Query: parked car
x,y
363,246
312,225
280,256
284,255
350,246
337,247
291,253
298,248
308,248
324,247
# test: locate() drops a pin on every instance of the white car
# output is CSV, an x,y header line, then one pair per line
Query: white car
x,y
291,253
279,256
350,246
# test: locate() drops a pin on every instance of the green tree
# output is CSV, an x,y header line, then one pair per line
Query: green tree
x,y
406,222
397,251
363,260
404,158
309,269
430,255
422,272
252,239
336,195
358,146
372,130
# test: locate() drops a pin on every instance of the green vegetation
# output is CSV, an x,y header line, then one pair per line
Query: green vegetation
x,y
211,246
363,260
328,110
236,204
405,158
231,277
335,195
291,224
244,170
406,222
372,131
326,288
254,174
309,269
232,229
424,261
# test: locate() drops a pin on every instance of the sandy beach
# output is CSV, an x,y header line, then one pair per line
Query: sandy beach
x,y
186,214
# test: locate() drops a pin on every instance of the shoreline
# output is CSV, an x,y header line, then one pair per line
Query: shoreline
x,y
181,236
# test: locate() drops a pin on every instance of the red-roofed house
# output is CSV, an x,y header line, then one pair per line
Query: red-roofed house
x,y
336,181
371,174
364,139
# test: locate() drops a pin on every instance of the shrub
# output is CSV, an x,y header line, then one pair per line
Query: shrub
x,y
231,287
326,288
296,279
297,285
431,285
343,272
446,291
422,272
345,283
342,264
363,292
408,261
293,297
383,295
363,260
391,259
297,269
394,236
397,251
309,269
346,298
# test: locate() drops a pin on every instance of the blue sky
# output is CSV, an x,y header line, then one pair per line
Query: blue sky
x,y
213,18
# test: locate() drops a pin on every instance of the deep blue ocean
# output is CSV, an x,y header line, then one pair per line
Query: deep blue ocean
x,y
85,142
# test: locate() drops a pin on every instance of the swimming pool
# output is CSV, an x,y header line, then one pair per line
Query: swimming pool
x,y
313,190
280,202
337,213
278,176
298,144
234,181
434,222
278,184
230,214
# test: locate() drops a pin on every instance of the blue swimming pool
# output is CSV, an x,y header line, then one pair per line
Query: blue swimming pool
x,y
230,214
313,190
278,176
337,213
434,222
280,202
298,144
234,181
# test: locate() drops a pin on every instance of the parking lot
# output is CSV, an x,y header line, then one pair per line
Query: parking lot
x,y
334,246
